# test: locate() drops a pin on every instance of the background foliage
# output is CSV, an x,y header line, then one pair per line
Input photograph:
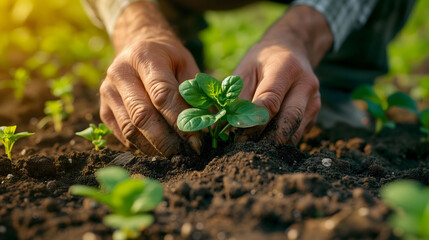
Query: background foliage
x,y
53,38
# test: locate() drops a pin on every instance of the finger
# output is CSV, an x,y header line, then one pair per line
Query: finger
x,y
270,93
290,130
116,116
163,90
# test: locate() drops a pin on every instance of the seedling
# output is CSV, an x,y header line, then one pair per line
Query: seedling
x,y
8,138
410,202
18,83
378,107
205,91
424,120
54,111
130,200
63,88
95,135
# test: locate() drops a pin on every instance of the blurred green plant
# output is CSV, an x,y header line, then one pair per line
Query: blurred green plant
x,y
378,106
130,200
18,83
55,113
63,89
410,202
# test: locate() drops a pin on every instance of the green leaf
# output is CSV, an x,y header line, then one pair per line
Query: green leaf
x,y
424,118
125,193
375,110
402,100
231,87
210,86
194,119
407,195
366,92
136,222
9,131
109,177
91,192
194,95
224,136
149,198
87,134
242,114
101,131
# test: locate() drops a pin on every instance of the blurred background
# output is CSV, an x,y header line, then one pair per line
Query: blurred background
x,y
51,39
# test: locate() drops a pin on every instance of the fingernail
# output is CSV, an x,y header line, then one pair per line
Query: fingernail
x,y
195,143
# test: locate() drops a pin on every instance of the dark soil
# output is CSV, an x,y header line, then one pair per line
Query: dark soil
x,y
328,188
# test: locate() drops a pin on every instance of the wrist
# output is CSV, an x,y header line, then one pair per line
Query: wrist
x,y
140,21
304,30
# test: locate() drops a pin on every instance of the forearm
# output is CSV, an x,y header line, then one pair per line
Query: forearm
x,y
140,20
305,30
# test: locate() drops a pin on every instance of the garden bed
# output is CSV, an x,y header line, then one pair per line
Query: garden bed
x,y
327,188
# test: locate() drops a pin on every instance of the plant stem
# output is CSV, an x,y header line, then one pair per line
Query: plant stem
x,y
224,128
378,125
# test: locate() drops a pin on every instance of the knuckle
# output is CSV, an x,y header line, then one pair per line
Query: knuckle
x,y
160,93
139,114
128,130
119,69
272,101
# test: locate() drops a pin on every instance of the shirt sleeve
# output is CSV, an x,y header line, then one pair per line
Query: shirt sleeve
x,y
343,16
105,13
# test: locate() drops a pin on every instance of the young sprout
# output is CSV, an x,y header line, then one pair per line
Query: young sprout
x,y
54,111
424,120
63,88
378,107
18,83
130,200
204,92
8,138
95,135
410,202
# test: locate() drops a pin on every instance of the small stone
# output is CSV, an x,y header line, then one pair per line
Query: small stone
x,y
186,230
199,226
3,229
89,204
9,176
221,236
72,142
292,234
90,236
168,237
329,224
327,162
70,160
23,152
363,211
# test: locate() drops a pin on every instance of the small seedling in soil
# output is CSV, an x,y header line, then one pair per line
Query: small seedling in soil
x,y
410,202
95,135
130,200
424,120
55,113
18,83
8,138
378,107
63,88
205,91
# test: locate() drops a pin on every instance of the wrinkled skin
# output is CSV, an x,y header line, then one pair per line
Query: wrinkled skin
x,y
140,100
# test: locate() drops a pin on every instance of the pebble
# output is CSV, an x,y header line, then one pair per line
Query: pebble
x,y
292,234
89,236
186,230
3,229
221,236
327,162
23,152
9,176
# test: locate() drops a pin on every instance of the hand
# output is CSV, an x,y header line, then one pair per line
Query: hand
x,y
140,100
278,75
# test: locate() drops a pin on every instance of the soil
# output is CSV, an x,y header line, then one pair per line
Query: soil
x,y
326,188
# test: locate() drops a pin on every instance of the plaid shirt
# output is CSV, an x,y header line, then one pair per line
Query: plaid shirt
x,y
343,16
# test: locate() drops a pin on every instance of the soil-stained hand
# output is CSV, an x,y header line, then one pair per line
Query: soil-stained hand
x,y
140,100
278,75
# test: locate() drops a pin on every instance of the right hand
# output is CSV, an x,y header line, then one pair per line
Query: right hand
x,y
140,100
